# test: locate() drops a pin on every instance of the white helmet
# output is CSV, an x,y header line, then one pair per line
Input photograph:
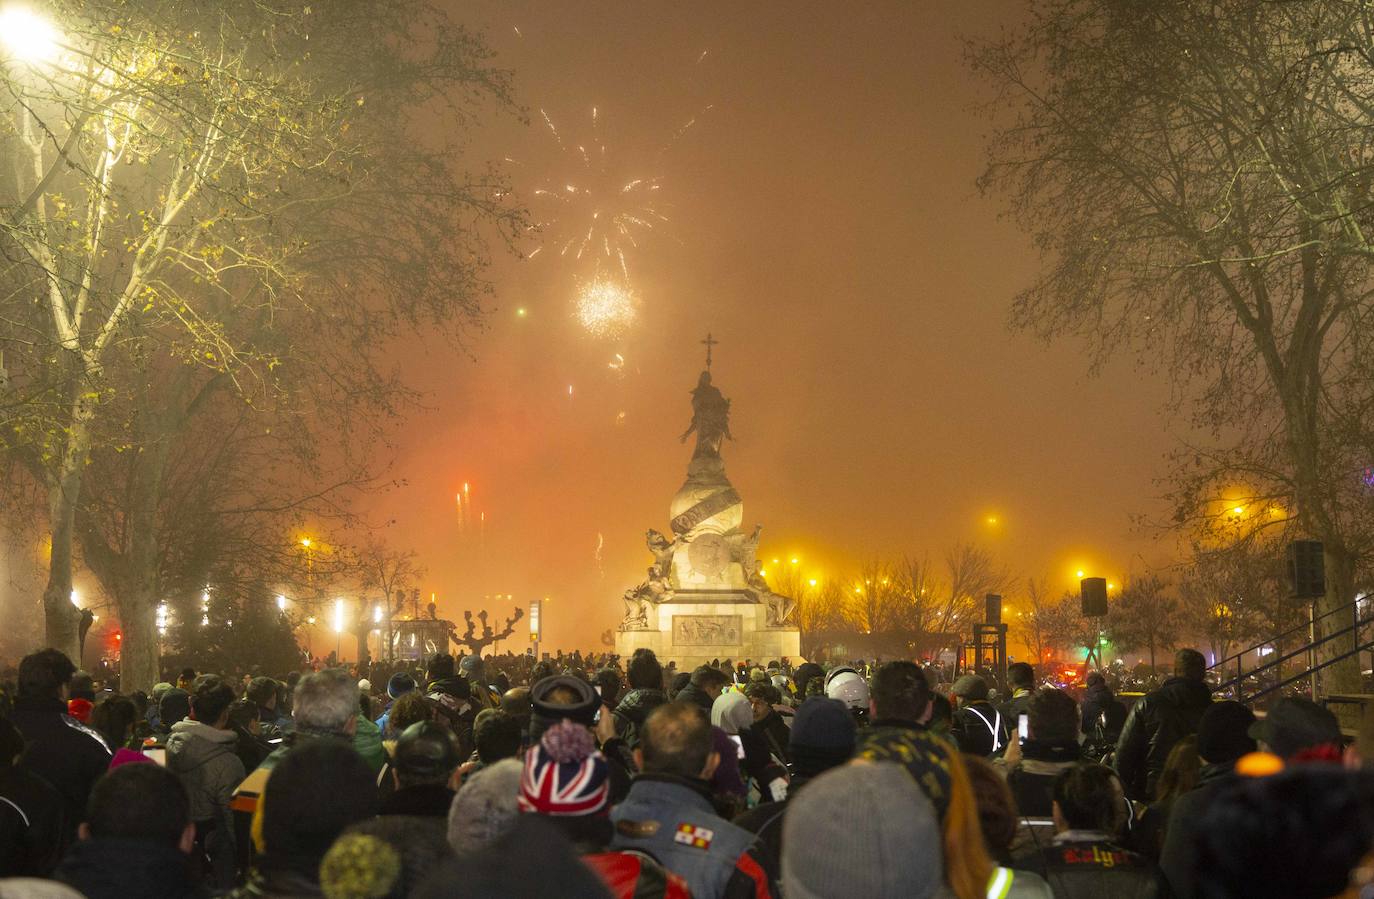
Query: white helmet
x,y
845,685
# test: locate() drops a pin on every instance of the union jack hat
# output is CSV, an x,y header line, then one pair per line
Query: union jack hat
x,y
565,774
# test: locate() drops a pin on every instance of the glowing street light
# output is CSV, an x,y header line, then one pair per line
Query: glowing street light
x,y
305,541
376,614
281,603
27,36
76,600
338,615
1080,573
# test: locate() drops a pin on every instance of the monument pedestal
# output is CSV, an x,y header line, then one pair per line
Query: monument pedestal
x,y
692,630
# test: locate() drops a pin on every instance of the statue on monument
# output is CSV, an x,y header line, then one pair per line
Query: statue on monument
x,y
710,419
662,548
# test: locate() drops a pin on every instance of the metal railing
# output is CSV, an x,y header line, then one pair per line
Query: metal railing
x,y
1237,683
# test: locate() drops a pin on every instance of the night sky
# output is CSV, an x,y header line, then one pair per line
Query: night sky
x,y
825,227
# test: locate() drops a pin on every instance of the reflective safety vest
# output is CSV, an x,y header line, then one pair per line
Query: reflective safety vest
x,y
996,728
999,885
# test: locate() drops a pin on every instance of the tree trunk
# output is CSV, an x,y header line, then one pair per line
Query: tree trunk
x,y
1342,676
60,618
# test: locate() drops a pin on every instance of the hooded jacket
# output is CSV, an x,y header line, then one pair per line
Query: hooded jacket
x,y
1178,858
206,762
1154,725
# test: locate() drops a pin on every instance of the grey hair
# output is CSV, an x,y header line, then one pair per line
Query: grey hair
x,y
326,700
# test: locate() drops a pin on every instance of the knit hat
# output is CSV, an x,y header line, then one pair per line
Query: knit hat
x,y
471,665
565,774
861,832
124,756
399,685
359,866
174,706
971,686
731,712
926,757
1295,724
365,687
531,861
159,690
822,735
1222,734
485,808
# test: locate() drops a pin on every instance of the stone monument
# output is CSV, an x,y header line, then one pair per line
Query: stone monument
x,y
705,596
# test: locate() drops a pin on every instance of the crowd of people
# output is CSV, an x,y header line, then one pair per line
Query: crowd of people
x,y
627,778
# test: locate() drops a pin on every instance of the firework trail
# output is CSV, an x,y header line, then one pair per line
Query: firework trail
x,y
600,544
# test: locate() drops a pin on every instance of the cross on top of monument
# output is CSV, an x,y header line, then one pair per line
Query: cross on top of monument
x,y
709,342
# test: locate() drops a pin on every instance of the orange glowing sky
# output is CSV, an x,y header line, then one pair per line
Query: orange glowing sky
x,y
825,227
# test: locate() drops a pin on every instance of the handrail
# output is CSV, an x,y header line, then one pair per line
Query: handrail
x,y
1301,650
1277,637
1359,648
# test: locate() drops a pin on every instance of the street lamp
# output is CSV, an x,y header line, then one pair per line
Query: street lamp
x,y
338,628
281,603
27,36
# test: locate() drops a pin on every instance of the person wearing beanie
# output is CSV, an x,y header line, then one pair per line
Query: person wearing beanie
x,y
316,791
822,738
862,831
568,781
485,808
669,813
399,685
1223,738
979,727
383,858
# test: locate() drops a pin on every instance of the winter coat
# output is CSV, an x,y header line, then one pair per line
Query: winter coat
x,y
1181,833
1088,865
979,729
1015,707
1032,779
63,751
206,762
33,831
1100,706
693,693
672,820
633,709
424,801
118,869
1157,722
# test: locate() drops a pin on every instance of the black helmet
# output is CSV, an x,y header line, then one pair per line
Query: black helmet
x,y
425,750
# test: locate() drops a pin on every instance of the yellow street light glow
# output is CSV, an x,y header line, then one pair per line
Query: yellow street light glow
x,y
796,561
281,603
305,541
775,561
1239,510
1111,586
856,589
813,582
27,36
1080,572
338,616
76,600
376,614
763,573
310,620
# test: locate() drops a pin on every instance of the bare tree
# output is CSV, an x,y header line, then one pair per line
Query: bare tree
x,y
474,640
1197,177
1146,616
212,183
392,573
1035,624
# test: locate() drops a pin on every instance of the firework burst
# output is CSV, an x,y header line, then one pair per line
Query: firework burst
x,y
605,308
596,214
